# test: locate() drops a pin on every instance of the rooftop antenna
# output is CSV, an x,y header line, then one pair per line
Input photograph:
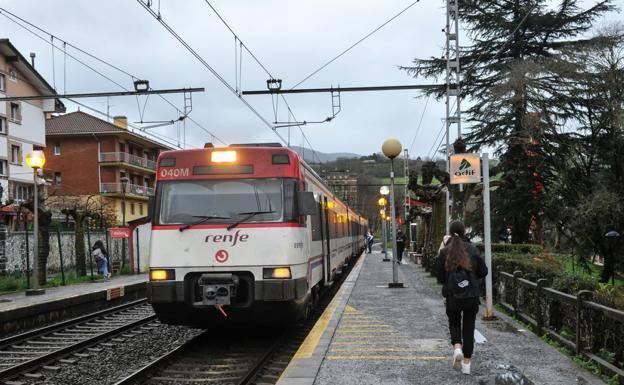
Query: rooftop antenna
x,y
32,59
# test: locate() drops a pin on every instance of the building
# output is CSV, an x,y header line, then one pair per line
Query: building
x,y
87,156
22,124
344,185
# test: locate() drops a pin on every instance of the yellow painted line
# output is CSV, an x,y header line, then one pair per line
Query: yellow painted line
x,y
310,343
384,350
350,309
385,357
380,342
367,332
364,327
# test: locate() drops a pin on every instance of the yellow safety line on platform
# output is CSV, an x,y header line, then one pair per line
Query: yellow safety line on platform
x,y
385,350
310,343
371,342
383,358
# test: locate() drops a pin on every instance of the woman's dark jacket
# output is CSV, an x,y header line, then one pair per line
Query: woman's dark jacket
x,y
477,262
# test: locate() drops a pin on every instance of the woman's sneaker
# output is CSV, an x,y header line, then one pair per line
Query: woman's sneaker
x,y
458,356
465,368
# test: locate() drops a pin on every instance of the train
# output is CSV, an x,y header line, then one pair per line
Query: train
x,y
247,233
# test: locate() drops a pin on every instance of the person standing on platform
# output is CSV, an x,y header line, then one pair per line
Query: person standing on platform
x,y
459,268
101,258
369,241
401,240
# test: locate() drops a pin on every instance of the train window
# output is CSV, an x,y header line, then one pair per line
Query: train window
x,y
183,202
315,224
290,201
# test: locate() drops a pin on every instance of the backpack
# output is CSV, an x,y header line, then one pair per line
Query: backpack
x,y
462,288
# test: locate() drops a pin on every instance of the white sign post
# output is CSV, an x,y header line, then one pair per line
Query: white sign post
x,y
466,169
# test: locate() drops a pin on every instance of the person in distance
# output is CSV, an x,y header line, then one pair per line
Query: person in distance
x,y
459,268
101,258
401,240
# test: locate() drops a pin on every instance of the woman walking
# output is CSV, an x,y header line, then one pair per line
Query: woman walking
x,y
459,268
101,258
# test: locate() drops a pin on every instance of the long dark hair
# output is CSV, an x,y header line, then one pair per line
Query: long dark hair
x,y
457,255
99,245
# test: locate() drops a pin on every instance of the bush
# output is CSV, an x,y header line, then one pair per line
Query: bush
x,y
532,268
513,248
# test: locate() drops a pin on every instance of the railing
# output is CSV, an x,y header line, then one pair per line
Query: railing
x,y
130,189
127,158
586,327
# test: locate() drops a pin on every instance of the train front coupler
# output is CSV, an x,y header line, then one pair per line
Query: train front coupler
x,y
217,289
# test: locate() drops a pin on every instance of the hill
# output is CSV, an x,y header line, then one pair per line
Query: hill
x,y
323,157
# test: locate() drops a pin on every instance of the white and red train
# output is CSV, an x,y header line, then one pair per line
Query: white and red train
x,y
244,233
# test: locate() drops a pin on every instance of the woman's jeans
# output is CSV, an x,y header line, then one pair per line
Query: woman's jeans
x,y
103,267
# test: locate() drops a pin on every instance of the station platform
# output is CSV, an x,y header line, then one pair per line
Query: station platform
x,y
371,334
18,311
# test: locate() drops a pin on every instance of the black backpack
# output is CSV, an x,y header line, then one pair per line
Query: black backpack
x,y
462,288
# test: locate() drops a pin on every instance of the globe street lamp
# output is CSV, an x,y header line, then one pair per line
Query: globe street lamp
x,y
35,160
392,148
382,203
612,237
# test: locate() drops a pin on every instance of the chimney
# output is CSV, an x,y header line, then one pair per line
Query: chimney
x,y
32,59
121,122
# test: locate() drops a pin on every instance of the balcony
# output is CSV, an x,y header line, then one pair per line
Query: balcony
x,y
131,189
124,157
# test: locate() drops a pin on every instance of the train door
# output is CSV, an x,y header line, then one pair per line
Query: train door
x,y
326,236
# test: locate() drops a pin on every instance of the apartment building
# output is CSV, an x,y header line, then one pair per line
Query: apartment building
x,y
88,156
22,123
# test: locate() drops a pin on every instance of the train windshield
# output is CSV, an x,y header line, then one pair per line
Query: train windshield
x,y
226,201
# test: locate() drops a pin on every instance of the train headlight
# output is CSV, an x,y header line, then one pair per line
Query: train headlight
x,y
276,273
162,275
223,156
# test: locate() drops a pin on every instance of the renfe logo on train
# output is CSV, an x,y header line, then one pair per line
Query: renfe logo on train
x,y
465,168
232,239
221,256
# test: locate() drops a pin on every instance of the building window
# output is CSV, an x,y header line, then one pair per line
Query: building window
x,y
3,167
141,209
2,83
3,125
122,147
13,75
22,193
16,154
131,208
57,178
16,116
57,148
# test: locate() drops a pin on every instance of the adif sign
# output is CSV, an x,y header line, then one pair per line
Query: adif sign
x,y
465,168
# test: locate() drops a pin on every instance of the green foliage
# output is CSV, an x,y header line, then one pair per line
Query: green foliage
x,y
513,248
10,284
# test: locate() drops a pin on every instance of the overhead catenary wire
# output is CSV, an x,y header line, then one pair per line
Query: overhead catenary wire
x,y
422,115
159,18
355,44
275,102
11,16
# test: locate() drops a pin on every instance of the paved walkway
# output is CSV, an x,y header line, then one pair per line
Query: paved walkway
x,y
19,299
374,335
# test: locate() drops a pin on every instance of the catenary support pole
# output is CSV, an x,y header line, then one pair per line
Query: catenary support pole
x,y
487,241
60,248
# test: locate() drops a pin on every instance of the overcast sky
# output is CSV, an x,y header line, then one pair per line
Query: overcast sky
x,y
291,38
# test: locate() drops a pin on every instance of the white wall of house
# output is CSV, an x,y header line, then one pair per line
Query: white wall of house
x,y
32,127
3,147
22,173
5,190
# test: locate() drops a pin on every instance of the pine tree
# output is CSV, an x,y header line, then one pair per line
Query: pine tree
x,y
516,78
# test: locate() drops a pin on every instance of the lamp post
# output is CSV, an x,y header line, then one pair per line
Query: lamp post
x,y
392,148
35,160
124,182
384,190
612,236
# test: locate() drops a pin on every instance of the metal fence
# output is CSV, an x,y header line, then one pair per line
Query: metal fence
x,y
18,254
588,328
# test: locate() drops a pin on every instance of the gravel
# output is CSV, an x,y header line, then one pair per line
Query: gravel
x,y
116,358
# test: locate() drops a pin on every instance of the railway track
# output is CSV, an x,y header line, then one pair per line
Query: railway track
x,y
24,354
230,358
